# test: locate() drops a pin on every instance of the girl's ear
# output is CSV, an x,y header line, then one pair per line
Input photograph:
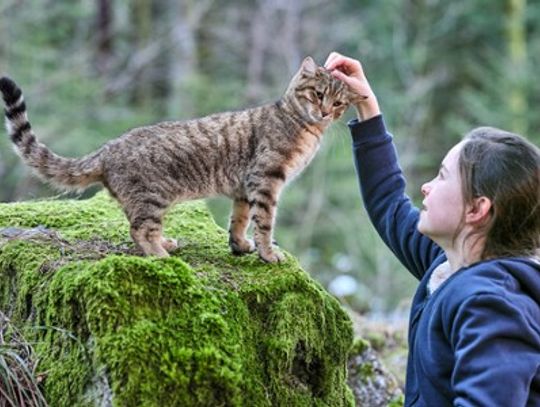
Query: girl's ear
x,y
479,211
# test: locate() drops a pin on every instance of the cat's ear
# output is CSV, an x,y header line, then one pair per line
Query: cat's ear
x,y
309,65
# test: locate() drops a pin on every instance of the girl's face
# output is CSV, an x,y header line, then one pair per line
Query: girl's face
x,y
442,207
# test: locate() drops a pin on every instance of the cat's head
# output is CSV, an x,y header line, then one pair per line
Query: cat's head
x,y
319,96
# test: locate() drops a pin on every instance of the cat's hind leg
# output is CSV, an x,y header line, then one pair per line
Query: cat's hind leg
x,y
238,225
147,232
144,208
169,244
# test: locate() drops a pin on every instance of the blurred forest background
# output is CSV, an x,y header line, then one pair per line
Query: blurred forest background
x,y
92,69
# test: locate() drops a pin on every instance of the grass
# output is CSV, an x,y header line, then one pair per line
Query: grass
x,y
19,383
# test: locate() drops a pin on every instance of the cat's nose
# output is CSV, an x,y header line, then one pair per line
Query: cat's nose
x,y
324,114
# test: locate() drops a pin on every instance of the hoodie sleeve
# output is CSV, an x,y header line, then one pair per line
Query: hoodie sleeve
x,y
383,190
497,352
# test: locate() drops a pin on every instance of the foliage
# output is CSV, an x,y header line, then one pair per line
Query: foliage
x,y
19,385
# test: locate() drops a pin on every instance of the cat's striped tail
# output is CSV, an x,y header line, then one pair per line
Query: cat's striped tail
x,y
66,173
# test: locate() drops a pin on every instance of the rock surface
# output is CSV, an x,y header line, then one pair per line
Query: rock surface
x,y
372,384
202,328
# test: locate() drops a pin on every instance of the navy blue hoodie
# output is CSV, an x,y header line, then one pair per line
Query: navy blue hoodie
x,y
475,341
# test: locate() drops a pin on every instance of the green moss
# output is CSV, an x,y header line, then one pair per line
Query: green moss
x,y
376,339
359,346
200,328
365,371
398,401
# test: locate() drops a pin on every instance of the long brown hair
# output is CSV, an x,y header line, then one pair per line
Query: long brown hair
x,y
505,168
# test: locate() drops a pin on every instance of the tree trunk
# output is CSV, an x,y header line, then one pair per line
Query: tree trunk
x,y
259,43
291,34
142,34
275,32
517,63
104,37
186,18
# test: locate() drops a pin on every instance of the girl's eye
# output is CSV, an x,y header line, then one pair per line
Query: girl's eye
x,y
320,95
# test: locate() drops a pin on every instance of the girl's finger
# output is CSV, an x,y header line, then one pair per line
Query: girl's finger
x,y
341,76
348,65
332,57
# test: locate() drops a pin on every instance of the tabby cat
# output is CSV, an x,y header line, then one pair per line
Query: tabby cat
x,y
246,155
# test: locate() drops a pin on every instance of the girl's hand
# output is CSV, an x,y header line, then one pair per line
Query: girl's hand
x,y
350,71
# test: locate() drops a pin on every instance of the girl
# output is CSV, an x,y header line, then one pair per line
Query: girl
x,y
474,329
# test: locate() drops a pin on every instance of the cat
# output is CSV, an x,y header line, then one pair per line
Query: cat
x,y
247,155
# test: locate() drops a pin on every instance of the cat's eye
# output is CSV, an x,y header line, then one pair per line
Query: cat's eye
x,y
320,95
337,103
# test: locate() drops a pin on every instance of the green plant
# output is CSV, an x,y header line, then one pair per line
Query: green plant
x,y
19,382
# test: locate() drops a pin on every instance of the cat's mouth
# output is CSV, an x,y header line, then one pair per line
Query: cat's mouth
x,y
327,118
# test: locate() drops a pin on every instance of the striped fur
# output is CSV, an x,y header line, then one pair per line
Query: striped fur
x,y
63,172
247,155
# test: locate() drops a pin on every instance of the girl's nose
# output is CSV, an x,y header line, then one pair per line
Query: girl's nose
x,y
425,189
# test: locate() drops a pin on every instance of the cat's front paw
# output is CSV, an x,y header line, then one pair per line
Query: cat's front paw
x,y
272,256
240,247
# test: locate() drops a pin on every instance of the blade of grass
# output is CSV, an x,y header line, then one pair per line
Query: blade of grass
x,y
32,385
6,397
5,374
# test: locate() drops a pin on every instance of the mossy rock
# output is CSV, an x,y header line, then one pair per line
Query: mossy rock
x,y
369,380
201,328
